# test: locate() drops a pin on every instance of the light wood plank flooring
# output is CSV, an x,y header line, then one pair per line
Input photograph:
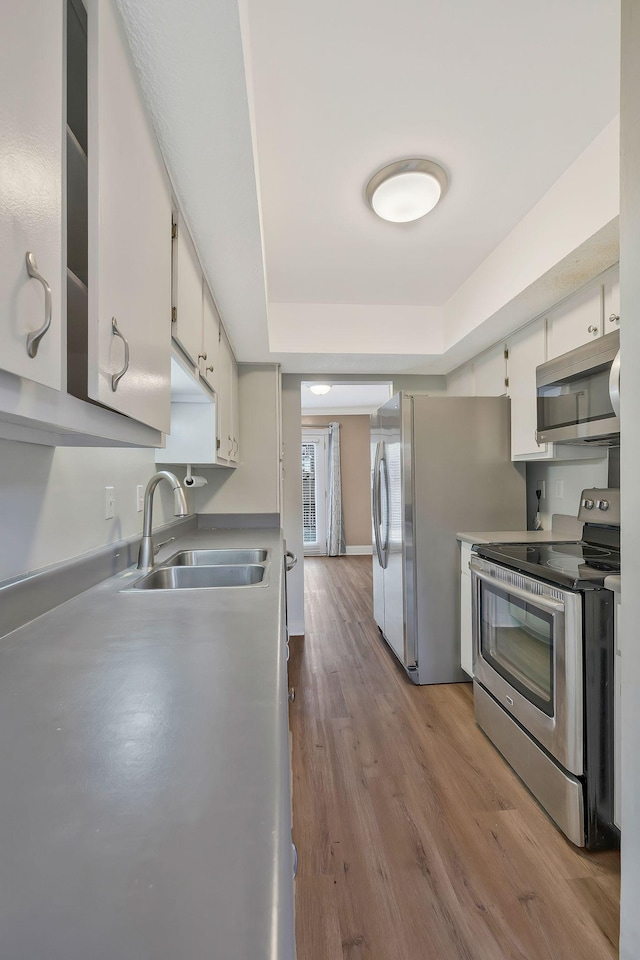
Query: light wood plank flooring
x,y
416,841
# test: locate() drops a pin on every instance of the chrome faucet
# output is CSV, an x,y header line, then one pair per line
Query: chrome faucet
x,y
146,552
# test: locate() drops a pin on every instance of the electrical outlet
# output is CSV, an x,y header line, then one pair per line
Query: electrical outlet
x,y
140,497
109,503
558,489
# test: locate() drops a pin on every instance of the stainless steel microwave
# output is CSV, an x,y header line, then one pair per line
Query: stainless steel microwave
x,y
578,394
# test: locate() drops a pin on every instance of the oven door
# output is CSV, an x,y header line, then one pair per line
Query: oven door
x,y
528,654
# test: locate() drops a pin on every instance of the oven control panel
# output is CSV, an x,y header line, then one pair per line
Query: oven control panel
x,y
600,505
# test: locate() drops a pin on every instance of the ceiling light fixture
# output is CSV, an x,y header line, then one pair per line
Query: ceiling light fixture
x,y
320,388
406,189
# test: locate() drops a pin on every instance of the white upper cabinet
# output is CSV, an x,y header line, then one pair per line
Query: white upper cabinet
x,y
210,357
589,314
611,300
224,397
490,371
31,93
527,349
129,337
575,322
186,327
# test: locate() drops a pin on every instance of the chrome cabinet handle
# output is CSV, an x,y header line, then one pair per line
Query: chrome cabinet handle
x,y
292,694
117,377
292,560
33,339
592,329
295,860
237,447
208,369
614,317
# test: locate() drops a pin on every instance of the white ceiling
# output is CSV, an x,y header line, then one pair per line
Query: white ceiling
x,y
273,114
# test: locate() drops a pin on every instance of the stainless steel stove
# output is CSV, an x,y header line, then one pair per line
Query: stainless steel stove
x,y
543,665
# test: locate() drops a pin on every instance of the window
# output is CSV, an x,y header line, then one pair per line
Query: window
x,y
314,472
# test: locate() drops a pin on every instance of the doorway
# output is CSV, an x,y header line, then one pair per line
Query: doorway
x,y
314,490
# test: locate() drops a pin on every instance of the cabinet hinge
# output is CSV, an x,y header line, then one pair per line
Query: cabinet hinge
x,y
218,443
506,353
174,229
174,314
506,381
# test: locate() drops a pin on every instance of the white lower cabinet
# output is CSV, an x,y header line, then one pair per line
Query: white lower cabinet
x,y
31,151
129,339
466,625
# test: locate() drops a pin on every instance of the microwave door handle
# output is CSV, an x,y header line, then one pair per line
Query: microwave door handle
x,y
553,606
614,384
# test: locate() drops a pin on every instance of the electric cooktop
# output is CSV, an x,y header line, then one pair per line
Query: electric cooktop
x,y
572,565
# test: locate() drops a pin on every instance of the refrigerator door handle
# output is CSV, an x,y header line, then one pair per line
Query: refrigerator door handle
x,y
384,544
375,501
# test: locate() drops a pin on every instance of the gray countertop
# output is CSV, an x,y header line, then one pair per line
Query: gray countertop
x,y
144,773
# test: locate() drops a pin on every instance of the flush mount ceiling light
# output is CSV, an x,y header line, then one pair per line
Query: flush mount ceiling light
x,y
319,388
406,189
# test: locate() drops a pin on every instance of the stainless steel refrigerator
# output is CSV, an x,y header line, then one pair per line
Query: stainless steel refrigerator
x,y
439,465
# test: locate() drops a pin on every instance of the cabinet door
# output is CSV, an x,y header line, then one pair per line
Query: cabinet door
x,y
210,361
490,370
611,286
235,411
575,322
223,398
129,235
31,80
527,349
186,327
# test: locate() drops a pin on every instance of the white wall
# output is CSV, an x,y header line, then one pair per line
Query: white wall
x,y
52,501
575,476
252,486
629,473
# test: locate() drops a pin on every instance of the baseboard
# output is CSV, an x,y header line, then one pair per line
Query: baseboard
x,y
364,551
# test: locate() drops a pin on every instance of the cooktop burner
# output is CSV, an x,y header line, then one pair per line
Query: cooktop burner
x,y
568,564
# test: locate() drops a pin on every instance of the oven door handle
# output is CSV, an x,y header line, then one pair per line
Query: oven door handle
x,y
553,606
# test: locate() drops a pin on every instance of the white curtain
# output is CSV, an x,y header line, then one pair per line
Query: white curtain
x,y
335,517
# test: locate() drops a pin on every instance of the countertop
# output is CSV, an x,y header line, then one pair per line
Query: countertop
x,y
515,536
144,764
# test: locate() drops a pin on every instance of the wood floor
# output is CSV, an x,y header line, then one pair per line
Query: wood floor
x,y
415,839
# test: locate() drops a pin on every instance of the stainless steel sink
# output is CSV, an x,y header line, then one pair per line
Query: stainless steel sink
x,y
200,577
195,558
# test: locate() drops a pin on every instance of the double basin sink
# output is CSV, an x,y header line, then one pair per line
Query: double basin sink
x,y
193,569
